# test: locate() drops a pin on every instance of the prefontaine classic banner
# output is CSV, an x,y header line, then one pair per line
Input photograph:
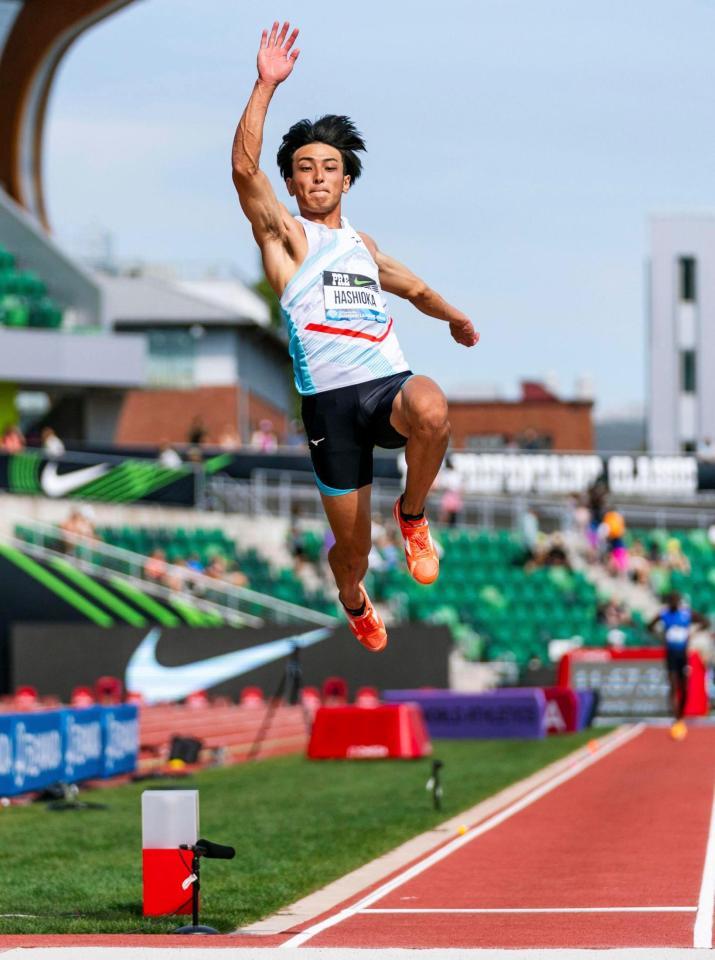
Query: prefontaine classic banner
x,y
140,478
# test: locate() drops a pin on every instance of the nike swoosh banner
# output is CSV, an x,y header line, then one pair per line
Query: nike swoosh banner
x,y
138,477
170,663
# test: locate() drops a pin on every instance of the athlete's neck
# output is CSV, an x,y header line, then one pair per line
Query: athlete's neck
x,y
332,219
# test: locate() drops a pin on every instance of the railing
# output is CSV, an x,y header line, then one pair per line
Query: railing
x,y
279,492
204,592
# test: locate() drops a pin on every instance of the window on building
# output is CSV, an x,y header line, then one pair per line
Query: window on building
x,y
688,278
687,371
171,358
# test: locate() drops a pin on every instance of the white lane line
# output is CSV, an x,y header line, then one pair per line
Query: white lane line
x,y
618,741
703,930
510,910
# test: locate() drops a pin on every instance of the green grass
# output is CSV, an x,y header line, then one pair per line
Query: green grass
x,y
296,826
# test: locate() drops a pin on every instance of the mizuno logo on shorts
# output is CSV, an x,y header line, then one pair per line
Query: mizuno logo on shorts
x,y
316,442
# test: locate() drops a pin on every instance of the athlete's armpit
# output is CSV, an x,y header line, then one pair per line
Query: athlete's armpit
x,y
268,217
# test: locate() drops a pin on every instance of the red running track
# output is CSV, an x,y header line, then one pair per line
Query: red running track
x,y
629,831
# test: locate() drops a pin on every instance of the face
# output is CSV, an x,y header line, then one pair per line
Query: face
x,y
318,182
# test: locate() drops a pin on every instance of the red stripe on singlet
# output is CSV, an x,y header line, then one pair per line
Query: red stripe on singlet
x,y
324,328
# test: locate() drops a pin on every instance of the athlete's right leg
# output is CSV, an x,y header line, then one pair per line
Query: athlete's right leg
x,y
350,521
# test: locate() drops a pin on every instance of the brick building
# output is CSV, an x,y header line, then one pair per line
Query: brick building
x,y
539,420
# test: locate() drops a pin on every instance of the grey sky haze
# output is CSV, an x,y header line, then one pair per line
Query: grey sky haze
x,y
515,151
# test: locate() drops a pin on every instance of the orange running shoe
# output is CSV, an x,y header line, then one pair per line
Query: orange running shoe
x,y
420,553
368,627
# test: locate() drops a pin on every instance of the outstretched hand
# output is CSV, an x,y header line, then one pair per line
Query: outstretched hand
x,y
275,58
463,332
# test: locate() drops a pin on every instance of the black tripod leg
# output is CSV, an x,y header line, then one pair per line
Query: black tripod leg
x,y
267,718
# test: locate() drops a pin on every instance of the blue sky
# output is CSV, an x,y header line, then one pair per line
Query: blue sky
x,y
515,152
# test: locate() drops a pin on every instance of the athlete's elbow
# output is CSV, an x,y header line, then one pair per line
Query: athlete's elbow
x,y
243,169
417,292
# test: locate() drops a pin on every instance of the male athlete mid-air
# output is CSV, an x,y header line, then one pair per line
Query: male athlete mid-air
x,y
357,389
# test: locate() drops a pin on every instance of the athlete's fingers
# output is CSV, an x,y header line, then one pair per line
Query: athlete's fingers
x,y
264,40
282,34
274,31
291,40
294,55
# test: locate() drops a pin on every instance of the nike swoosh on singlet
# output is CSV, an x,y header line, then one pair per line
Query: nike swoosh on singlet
x,y
365,283
59,485
159,684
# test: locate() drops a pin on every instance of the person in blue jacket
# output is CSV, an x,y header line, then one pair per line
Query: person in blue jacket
x,y
676,620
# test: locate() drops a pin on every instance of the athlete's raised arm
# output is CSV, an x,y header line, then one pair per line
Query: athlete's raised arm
x,y
272,224
396,278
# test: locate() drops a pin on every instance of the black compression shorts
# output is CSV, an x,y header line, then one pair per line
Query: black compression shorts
x,y
343,428
676,660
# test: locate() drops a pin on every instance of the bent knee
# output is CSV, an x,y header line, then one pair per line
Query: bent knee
x,y
352,551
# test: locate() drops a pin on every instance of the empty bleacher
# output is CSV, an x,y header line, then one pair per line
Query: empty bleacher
x,y
24,301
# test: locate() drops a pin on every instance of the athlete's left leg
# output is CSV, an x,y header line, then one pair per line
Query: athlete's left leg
x,y
419,412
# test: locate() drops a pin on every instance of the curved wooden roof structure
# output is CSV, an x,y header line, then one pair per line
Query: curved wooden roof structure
x,y
40,33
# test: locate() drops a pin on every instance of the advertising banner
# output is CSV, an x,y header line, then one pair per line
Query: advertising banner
x,y
496,714
166,665
120,739
36,755
141,478
565,473
46,747
82,739
632,683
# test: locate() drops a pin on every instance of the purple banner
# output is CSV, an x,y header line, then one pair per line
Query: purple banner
x,y
497,714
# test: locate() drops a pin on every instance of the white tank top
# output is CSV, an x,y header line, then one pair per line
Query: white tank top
x,y
338,322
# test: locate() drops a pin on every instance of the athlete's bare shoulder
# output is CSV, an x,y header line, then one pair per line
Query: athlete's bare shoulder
x,y
369,243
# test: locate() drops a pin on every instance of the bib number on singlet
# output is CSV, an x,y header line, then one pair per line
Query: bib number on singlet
x,y
353,296
676,636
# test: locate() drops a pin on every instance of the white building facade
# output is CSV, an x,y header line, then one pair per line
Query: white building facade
x,y
681,334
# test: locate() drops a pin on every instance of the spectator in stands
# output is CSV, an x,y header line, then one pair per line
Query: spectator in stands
x,y
168,457
296,434
451,503
197,432
390,550
296,538
156,567
177,575
79,523
613,614
218,569
530,533
639,564
51,443
194,563
674,558
12,440
229,439
597,506
613,531
555,554
265,439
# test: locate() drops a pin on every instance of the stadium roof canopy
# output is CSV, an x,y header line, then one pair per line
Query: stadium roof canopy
x,y
34,36
146,300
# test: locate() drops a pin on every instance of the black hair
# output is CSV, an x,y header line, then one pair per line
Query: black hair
x,y
673,599
337,131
